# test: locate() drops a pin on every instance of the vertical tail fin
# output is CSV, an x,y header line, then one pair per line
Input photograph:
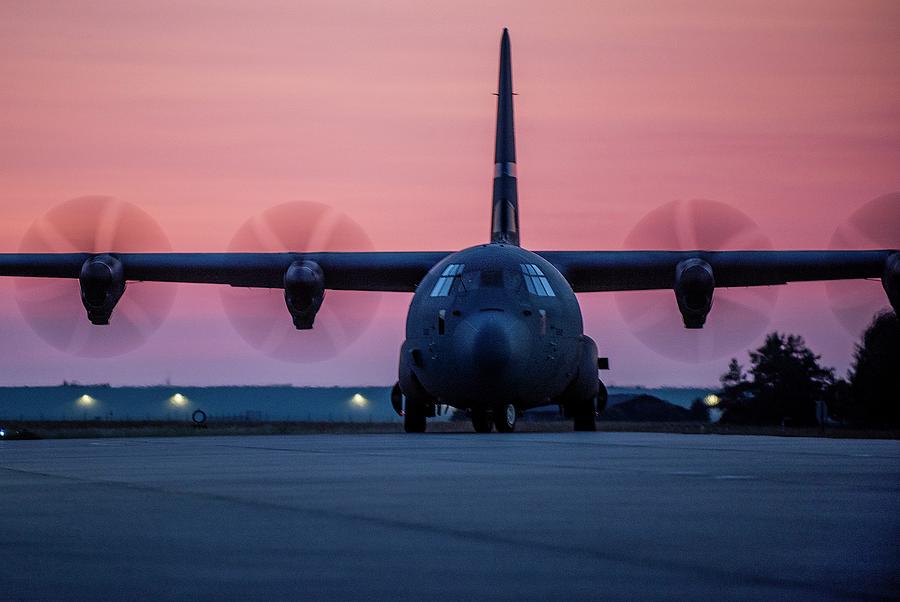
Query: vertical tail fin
x,y
505,211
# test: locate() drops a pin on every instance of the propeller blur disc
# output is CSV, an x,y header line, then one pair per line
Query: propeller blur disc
x,y
53,308
737,316
875,225
259,315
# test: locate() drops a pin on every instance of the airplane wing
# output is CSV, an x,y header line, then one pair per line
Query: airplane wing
x,y
594,271
303,276
693,275
363,271
586,271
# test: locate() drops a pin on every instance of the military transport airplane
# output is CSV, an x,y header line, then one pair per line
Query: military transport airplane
x,y
494,329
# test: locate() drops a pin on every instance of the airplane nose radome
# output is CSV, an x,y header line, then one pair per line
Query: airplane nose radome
x,y
489,345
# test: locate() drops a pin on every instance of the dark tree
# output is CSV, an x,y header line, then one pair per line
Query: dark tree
x,y
735,386
875,374
699,411
786,381
736,395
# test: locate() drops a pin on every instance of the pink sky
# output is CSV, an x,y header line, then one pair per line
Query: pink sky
x,y
207,113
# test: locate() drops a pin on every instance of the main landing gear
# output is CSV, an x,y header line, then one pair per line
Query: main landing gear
x,y
415,412
414,418
584,416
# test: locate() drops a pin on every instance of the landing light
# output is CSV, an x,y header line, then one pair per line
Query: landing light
x,y
711,400
86,400
359,401
178,400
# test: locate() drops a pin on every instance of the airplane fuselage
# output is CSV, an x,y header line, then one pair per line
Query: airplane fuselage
x,y
495,325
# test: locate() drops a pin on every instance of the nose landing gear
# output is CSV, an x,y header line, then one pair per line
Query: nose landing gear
x,y
503,418
482,422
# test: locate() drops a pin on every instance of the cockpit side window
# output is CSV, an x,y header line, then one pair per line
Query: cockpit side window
x,y
536,282
448,277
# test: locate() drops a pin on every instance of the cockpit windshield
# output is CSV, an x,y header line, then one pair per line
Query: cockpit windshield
x,y
491,278
536,282
455,278
448,278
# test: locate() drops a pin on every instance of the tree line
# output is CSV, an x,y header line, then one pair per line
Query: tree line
x,y
785,380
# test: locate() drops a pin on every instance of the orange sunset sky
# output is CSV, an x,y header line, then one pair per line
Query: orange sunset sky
x,y
206,113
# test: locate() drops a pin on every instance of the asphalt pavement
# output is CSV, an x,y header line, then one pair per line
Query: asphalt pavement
x,y
450,516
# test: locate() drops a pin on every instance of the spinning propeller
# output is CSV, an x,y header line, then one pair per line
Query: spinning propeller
x,y
53,307
259,315
875,225
737,316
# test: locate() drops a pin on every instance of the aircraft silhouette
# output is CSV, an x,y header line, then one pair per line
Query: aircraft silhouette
x,y
494,329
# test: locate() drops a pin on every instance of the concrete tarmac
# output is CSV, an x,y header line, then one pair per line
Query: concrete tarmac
x,y
450,516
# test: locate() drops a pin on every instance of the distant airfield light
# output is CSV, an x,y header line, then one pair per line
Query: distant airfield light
x,y
86,400
711,400
359,401
178,400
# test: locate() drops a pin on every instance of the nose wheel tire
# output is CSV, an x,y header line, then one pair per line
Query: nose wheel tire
x,y
481,422
505,418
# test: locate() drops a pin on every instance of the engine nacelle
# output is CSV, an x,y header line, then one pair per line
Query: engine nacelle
x,y
304,291
891,281
102,280
694,285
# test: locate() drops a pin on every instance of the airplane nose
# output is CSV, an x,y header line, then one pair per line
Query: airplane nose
x,y
490,347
